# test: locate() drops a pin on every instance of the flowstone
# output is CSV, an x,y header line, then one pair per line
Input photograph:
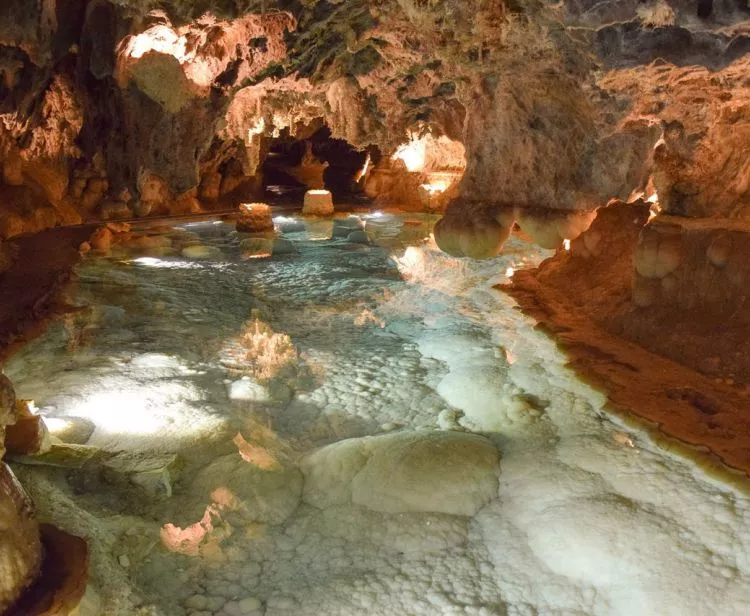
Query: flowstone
x,y
439,472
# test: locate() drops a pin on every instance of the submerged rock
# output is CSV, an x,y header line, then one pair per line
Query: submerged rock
x,y
439,472
358,237
249,488
342,227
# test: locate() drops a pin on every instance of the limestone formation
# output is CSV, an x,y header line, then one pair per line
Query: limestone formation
x,y
441,472
254,218
318,203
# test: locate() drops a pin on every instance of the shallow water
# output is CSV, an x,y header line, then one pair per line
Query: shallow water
x,y
201,380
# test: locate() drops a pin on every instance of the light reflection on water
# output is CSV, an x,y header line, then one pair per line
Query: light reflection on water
x,y
209,379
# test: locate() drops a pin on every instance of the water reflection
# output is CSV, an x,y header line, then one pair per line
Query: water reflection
x,y
223,379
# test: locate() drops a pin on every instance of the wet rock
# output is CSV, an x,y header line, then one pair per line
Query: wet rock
x,y
719,250
8,409
94,192
549,228
318,203
200,251
477,234
440,472
358,237
254,218
256,247
658,252
342,227
249,490
210,187
290,225
152,472
29,434
71,430
283,246
248,389
62,582
20,545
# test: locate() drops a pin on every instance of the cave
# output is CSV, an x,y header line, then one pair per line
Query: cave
x,y
292,166
371,308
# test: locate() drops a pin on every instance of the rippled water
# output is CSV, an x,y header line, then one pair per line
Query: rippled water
x,y
200,380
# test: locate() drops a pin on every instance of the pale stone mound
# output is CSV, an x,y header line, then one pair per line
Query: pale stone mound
x,y
254,218
20,546
440,472
318,203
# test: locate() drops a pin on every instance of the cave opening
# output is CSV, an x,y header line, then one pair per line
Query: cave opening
x,y
296,164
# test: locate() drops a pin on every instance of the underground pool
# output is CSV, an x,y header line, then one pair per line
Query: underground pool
x,y
346,421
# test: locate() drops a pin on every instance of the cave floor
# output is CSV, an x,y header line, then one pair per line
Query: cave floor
x,y
202,372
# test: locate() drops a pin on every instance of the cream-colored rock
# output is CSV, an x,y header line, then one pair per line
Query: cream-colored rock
x,y
549,229
658,253
479,236
20,546
318,203
254,218
427,471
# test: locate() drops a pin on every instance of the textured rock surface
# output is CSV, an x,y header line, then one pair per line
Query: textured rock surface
x,y
557,105
20,547
439,472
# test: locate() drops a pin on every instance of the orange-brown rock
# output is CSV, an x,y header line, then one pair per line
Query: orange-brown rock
x,y
20,546
254,218
62,580
28,435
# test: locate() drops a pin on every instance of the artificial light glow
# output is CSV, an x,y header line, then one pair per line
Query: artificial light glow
x,y
55,425
256,129
566,244
364,169
318,192
161,39
413,154
121,412
162,264
437,187
411,263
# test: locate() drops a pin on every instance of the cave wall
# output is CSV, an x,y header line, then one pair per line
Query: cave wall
x,y
110,108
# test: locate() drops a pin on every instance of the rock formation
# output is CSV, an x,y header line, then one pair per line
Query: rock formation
x,y
516,111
